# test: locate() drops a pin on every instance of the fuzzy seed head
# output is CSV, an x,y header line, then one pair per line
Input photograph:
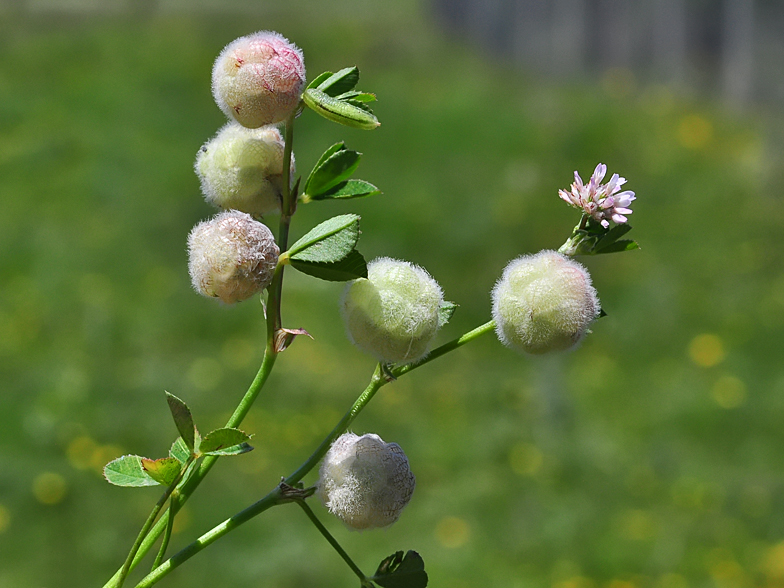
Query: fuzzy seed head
x,y
365,482
257,79
231,256
242,169
393,313
544,302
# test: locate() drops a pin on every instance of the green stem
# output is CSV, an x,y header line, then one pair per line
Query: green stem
x,y
210,537
333,542
167,533
445,348
126,568
377,381
147,537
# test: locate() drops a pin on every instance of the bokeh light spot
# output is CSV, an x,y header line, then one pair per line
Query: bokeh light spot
x,y
695,131
49,488
205,373
452,532
239,353
637,525
80,452
5,518
707,350
672,581
525,459
729,392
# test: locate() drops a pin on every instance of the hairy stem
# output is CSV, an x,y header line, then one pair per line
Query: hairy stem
x,y
377,381
148,535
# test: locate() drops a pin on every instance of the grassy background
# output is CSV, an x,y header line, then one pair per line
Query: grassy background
x,y
650,457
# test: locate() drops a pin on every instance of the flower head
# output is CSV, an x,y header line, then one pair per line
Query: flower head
x,y
231,256
544,302
602,202
242,169
365,482
393,313
257,79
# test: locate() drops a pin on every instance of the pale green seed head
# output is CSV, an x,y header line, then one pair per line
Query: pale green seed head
x,y
257,79
393,313
365,482
544,302
242,169
231,256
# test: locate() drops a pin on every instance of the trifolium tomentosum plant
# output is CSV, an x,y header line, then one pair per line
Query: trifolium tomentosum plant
x,y
392,309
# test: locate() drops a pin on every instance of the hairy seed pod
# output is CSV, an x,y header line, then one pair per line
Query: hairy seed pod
x,y
242,169
365,482
257,79
231,256
393,313
544,302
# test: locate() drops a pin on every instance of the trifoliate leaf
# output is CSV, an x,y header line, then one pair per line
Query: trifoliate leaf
x,y
345,190
331,171
127,471
351,267
226,441
329,242
445,312
164,470
399,571
339,111
340,82
183,419
180,451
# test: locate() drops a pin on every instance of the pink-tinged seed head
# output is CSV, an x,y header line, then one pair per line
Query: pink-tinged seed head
x,y
257,79
231,256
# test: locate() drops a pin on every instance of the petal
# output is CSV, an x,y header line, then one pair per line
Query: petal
x,y
599,173
619,218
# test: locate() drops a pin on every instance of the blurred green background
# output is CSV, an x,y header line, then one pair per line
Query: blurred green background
x,y
651,457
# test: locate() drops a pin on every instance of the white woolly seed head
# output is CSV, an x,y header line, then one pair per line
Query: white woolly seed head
x,y
242,169
257,79
365,482
231,256
544,302
393,313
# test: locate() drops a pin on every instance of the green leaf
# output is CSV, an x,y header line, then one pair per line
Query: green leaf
x,y
183,419
320,79
347,189
225,442
127,471
180,451
339,111
329,242
164,470
622,245
398,571
351,267
331,171
359,104
358,96
445,312
324,156
340,82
